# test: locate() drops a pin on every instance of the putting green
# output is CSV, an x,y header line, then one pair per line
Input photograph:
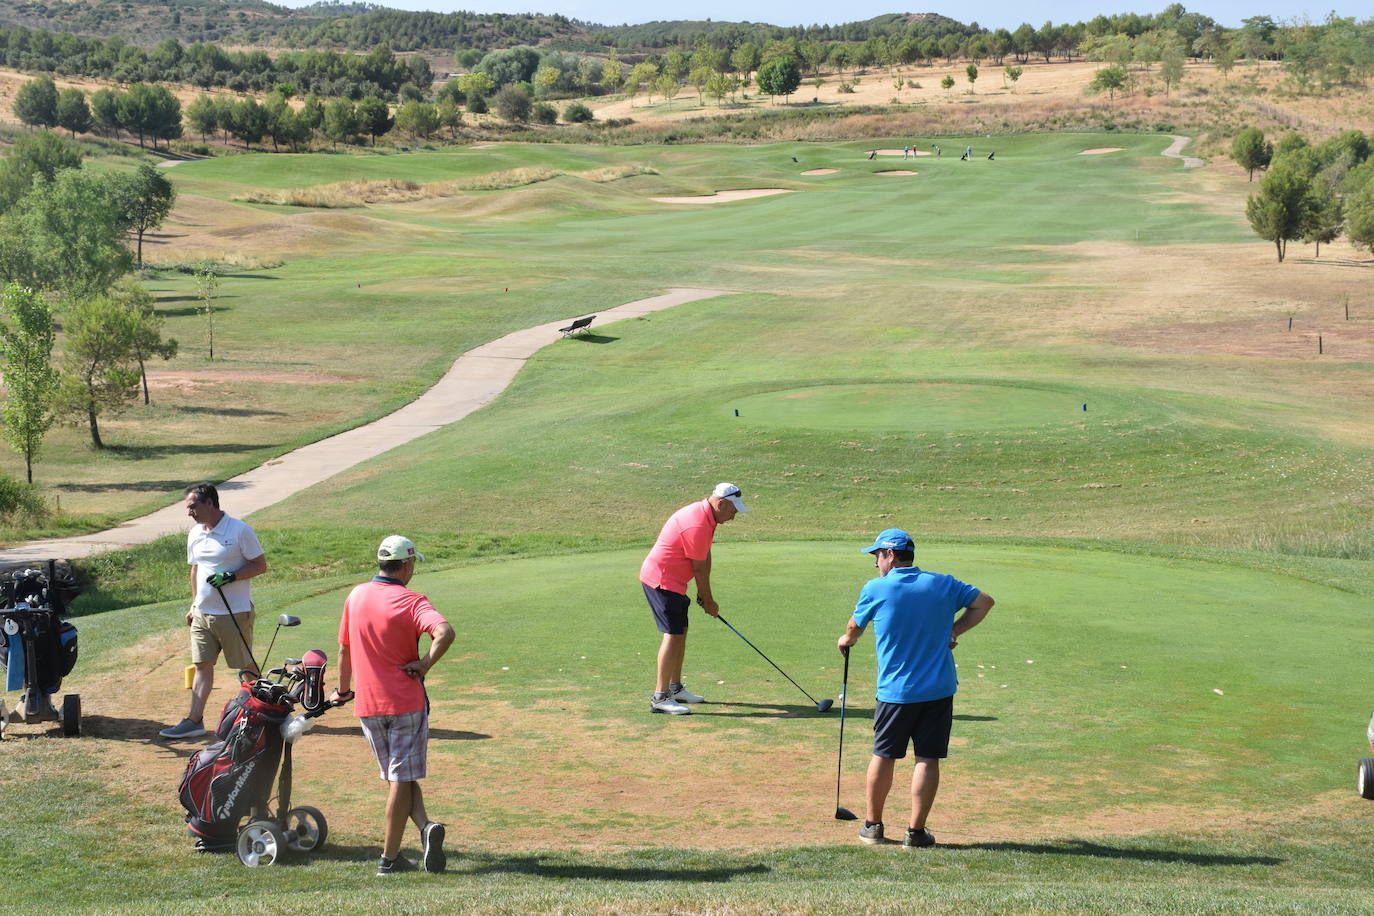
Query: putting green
x,y
936,406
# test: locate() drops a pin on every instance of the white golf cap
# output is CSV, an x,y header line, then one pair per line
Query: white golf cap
x,y
731,492
396,547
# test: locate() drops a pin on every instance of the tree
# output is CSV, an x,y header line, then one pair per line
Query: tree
x,y
475,85
450,116
419,119
203,116
1171,68
248,121
1250,150
668,87
207,288
1109,78
641,75
745,59
41,154
1359,216
340,121
546,80
374,117
613,71
144,197
971,71
35,104
26,343
699,77
147,339
512,103
99,375
719,86
779,76
105,110
947,83
1324,219
65,235
72,111
1283,207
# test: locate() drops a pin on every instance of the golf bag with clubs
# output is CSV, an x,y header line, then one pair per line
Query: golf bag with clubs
x,y
233,778
37,646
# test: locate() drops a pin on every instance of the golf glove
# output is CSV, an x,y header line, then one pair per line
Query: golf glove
x,y
221,579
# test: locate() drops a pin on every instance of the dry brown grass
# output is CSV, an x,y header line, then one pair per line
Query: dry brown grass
x,y
346,194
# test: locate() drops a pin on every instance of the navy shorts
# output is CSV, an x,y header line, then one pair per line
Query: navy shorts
x,y
925,725
670,609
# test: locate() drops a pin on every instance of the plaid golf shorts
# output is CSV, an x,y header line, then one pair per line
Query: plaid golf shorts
x,y
399,744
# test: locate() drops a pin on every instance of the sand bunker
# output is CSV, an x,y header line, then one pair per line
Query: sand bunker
x,y
897,152
896,172
721,197
1102,149
820,171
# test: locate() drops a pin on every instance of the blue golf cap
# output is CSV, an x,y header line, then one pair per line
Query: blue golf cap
x,y
891,539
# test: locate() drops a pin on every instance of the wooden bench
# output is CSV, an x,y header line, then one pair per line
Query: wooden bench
x,y
581,324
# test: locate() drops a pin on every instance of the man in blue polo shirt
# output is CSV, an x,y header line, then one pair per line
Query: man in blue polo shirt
x,y
914,630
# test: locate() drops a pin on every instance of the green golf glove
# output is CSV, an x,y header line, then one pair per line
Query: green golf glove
x,y
219,580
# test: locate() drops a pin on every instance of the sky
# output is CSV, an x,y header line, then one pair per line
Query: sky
x,y
987,13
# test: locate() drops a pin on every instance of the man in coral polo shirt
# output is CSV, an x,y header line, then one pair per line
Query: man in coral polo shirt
x,y
682,553
379,638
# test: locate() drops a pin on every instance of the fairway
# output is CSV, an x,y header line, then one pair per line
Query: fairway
x,y
1067,375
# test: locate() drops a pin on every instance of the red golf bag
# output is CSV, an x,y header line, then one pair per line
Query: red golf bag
x,y
232,778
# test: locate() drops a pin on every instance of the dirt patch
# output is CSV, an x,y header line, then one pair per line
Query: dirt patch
x,y
1098,150
820,171
896,172
721,197
189,381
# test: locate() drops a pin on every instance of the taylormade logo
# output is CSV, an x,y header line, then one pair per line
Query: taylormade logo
x,y
222,813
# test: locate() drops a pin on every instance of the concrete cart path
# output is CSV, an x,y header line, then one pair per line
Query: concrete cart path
x,y
1175,151
476,378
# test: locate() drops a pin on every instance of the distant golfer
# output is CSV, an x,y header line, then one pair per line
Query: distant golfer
x,y
915,631
379,635
223,553
993,153
683,553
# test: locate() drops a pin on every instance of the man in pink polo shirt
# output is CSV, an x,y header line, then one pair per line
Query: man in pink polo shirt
x,y
683,553
379,638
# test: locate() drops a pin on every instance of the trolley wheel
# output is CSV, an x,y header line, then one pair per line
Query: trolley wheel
x,y
1364,780
306,829
261,843
71,715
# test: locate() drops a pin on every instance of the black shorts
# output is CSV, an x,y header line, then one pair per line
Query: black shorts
x,y
670,609
926,725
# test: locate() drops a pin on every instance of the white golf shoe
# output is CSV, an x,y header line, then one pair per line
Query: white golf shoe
x,y
668,705
683,695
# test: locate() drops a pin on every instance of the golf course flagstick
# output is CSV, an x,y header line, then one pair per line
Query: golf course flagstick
x,y
821,706
842,814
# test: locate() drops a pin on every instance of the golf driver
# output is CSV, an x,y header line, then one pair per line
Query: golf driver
x,y
821,705
842,814
283,620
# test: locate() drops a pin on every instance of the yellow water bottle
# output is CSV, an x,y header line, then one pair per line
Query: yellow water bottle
x,y
190,676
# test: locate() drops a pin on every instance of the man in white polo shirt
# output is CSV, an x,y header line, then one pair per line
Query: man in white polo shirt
x,y
224,553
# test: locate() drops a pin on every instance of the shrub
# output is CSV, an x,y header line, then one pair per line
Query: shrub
x,y
513,103
846,87
544,113
577,113
477,105
20,503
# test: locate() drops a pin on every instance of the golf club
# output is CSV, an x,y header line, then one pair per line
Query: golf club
x,y
235,620
821,705
283,620
842,814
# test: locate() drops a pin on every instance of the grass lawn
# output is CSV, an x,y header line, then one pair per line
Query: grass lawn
x,y
1065,374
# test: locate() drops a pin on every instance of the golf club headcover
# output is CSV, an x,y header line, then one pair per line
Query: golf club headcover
x,y
314,664
220,579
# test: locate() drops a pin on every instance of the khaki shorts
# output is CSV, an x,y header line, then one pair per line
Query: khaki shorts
x,y
213,633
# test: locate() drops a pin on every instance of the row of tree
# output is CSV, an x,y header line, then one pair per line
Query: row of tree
x,y
146,112
1309,193
69,237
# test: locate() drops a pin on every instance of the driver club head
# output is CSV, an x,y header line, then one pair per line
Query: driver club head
x,y
824,705
288,620
844,814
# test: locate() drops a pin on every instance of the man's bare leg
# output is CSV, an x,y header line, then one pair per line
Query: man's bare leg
x,y
925,782
879,784
671,652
